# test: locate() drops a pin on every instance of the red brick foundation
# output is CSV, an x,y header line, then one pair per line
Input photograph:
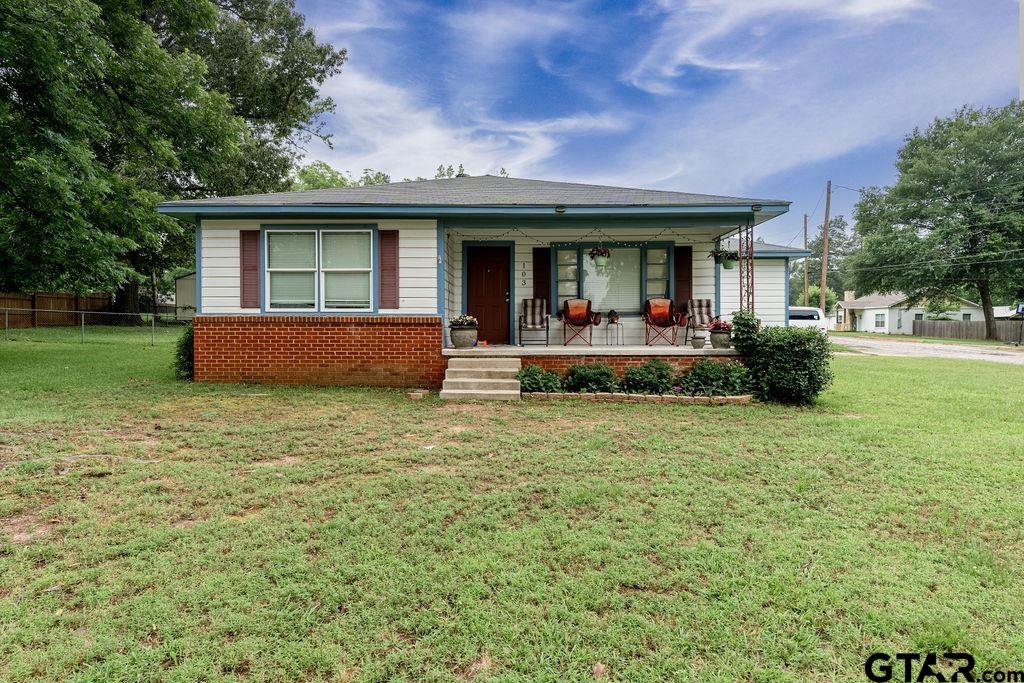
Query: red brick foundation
x,y
371,350
561,364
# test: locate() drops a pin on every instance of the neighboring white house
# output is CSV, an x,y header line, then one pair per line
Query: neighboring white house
x,y
889,314
185,296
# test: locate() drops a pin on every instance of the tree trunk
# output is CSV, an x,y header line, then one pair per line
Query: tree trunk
x,y
985,291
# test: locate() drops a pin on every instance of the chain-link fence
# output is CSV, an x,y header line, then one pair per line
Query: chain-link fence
x,y
89,327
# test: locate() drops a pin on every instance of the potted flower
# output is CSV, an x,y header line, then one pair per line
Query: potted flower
x,y
721,334
726,257
600,255
463,331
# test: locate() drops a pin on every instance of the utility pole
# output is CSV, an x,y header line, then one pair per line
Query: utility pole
x,y
824,246
807,275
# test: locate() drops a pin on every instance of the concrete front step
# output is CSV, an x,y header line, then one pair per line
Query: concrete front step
x,y
485,362
477,384
481,373
470,395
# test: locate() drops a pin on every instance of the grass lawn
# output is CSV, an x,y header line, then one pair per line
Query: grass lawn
x,y
156,530
924,340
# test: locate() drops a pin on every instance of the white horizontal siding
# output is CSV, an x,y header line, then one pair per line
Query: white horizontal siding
x,y
417,261
769,291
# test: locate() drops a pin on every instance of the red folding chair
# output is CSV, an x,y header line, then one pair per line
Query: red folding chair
x,y
661,321
578,318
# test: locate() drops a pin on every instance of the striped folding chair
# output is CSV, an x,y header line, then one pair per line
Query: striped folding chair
x,y
699,315
534,318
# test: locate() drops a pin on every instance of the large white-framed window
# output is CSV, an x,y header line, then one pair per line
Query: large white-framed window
x,y
319,269
291,267
346,270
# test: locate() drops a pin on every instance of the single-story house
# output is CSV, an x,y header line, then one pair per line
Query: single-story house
x,y
185,296
355,285
889,314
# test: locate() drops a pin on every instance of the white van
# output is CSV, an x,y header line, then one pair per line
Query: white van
x,y
800,316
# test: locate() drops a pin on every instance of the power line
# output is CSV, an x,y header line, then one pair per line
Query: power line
x,y
952,261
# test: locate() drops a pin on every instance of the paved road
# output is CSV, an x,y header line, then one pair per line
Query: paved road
x,y
881,346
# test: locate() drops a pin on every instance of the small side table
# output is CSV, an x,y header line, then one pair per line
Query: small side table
x,y
614,334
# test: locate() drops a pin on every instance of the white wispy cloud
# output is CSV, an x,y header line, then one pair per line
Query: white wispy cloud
x,y
383,126
727,35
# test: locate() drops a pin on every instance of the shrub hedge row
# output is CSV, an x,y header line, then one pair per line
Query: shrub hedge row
x,y
707,378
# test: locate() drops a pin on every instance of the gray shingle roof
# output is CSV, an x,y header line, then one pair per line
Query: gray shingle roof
x,y
876,301
486,190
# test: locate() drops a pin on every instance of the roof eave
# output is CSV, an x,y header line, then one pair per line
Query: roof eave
x,y
183,210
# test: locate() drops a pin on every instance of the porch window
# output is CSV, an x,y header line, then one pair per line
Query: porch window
x,y
879,319
291,270
632,274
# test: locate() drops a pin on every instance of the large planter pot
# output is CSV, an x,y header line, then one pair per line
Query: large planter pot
x,y
600,261
697,342
463,337
721,340
728,264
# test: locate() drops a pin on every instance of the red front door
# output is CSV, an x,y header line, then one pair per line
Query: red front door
x,y
487,293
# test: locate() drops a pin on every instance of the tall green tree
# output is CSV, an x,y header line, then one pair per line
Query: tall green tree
x,y
953,222
109,106
320,175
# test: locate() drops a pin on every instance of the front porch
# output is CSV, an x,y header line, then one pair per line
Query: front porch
x,y
490,269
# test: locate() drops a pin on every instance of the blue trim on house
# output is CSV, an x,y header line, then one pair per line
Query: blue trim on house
x,y
485,210
787,292
718,280
199,266
442,265
511,246
317,228
780,254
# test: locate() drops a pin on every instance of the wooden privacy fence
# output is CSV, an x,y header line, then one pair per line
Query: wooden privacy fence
x,y
51,309
1006,330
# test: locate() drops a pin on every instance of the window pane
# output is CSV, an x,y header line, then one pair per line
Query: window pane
x,y
567,256
292,290
657,288
567,289
291,250
657,271
346,290
657,256
615,285
345,249
567,272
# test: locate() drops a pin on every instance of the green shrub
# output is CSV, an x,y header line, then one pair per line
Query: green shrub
x,y
535,378
711,378
184,355
592,377
790,364
653,377
745,328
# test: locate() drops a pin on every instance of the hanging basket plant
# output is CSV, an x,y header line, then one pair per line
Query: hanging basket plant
x,y
726,257
600,255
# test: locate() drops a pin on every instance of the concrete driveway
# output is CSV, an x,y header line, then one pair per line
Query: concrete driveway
x,y
881,345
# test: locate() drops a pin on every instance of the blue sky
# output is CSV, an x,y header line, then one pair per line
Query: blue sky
x,y
760,98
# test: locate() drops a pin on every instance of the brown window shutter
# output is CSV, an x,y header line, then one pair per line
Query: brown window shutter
x,y
250,268
388,268
684,275
542,274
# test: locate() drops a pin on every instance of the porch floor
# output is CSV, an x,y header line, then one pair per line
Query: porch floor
x,y
497,351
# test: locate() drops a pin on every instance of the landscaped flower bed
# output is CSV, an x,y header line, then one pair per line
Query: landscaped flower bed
x,y
653,382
